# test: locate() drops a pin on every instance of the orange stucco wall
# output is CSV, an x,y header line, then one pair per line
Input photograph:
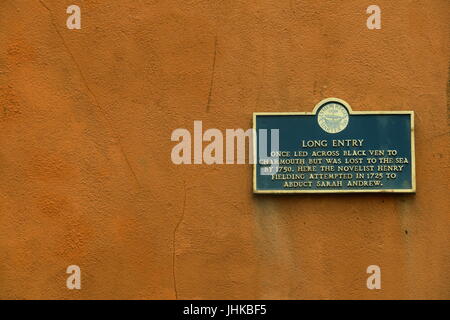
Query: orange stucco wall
x,y
86,176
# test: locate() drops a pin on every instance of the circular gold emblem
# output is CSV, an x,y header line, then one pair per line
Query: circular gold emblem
x,y
333,117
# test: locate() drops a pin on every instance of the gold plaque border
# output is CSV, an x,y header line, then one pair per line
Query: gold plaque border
x,y
351,112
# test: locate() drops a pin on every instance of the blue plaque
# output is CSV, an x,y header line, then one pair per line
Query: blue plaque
x,y
334,149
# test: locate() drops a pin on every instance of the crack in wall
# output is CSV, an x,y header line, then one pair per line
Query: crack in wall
x,y
212,75
448,95
174,243
91,93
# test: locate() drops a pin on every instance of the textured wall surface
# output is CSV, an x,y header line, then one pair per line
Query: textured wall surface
x,y
86,176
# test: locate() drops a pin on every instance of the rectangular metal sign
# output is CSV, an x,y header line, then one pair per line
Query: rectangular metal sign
x,y
334,149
